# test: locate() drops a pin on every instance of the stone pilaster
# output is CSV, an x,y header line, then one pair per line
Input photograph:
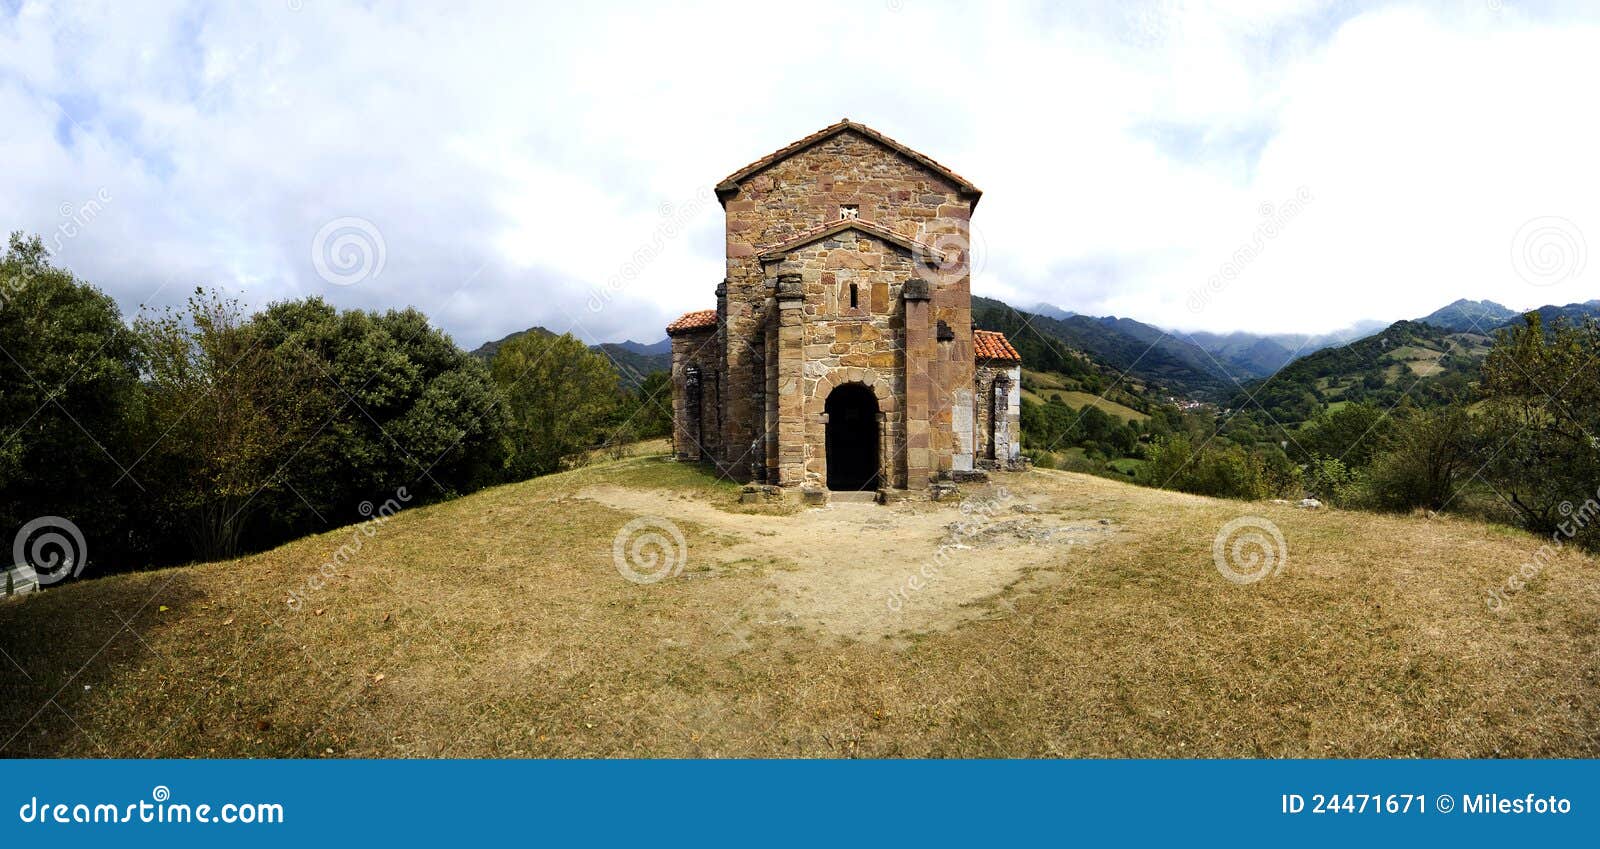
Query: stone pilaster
x,y
1002,421
791,403
919,352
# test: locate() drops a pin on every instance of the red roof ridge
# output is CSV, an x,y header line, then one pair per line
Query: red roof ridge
x,y
822,231
730,184
993,345
697,320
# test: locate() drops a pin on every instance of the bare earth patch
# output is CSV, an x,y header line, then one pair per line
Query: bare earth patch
x,y
866,571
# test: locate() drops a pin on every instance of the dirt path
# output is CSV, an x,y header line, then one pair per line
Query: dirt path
x,y
872,572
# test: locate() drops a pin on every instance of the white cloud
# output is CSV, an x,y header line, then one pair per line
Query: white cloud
x,y
520,160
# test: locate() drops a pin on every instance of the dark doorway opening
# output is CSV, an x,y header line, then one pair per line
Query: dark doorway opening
x,y
852,440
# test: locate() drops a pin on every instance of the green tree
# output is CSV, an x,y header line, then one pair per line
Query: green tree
x,y
1351,433
558,394
1541,421
1332,480
1423,460
1223,471
1167,460
647,411
68,376
223,415
409,409
1095,424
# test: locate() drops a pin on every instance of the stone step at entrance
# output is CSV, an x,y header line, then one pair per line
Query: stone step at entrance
x,y
865,496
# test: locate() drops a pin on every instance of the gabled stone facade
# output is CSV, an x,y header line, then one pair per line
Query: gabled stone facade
x,y
841,352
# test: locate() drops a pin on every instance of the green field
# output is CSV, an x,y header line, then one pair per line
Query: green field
x,y
1042,387
1126,465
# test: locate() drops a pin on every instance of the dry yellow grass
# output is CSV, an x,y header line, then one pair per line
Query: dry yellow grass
x,y
498,625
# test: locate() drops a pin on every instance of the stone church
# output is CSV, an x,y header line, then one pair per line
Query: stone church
x,y
841,354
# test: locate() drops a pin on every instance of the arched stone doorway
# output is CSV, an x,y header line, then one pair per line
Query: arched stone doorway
x,y
852,438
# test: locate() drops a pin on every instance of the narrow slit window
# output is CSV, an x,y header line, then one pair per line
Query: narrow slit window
x,y
853,297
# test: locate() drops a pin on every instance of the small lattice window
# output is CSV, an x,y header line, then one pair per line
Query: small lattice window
x,y
849,212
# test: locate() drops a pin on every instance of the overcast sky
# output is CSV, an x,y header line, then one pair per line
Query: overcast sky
x,y
1296,167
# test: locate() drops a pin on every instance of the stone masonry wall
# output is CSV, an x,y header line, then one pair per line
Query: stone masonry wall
x,y
801,193
998,446
841,344
696,437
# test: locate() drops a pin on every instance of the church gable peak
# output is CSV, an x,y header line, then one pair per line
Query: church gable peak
x,y
730,184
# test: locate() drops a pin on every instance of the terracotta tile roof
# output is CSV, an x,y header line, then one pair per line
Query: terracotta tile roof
x,y
989,345
697,320
730,184
927,252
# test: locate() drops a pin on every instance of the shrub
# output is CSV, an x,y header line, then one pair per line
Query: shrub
x,y
1330,480
1221,471
410,408
558,393
223,416
1421,461
1352,433
1541,413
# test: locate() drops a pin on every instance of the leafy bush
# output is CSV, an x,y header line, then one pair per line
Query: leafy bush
x,y
559,395
1422,461
1332,481
204,431
222,415
1541,413
1222,471
1352,433
408,408
1283,479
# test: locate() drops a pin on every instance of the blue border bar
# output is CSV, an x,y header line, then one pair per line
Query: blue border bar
x,y
795,803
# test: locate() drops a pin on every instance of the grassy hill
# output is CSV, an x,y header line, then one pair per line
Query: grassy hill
x,y
1071,624
1421,361
1044,386
1428,360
